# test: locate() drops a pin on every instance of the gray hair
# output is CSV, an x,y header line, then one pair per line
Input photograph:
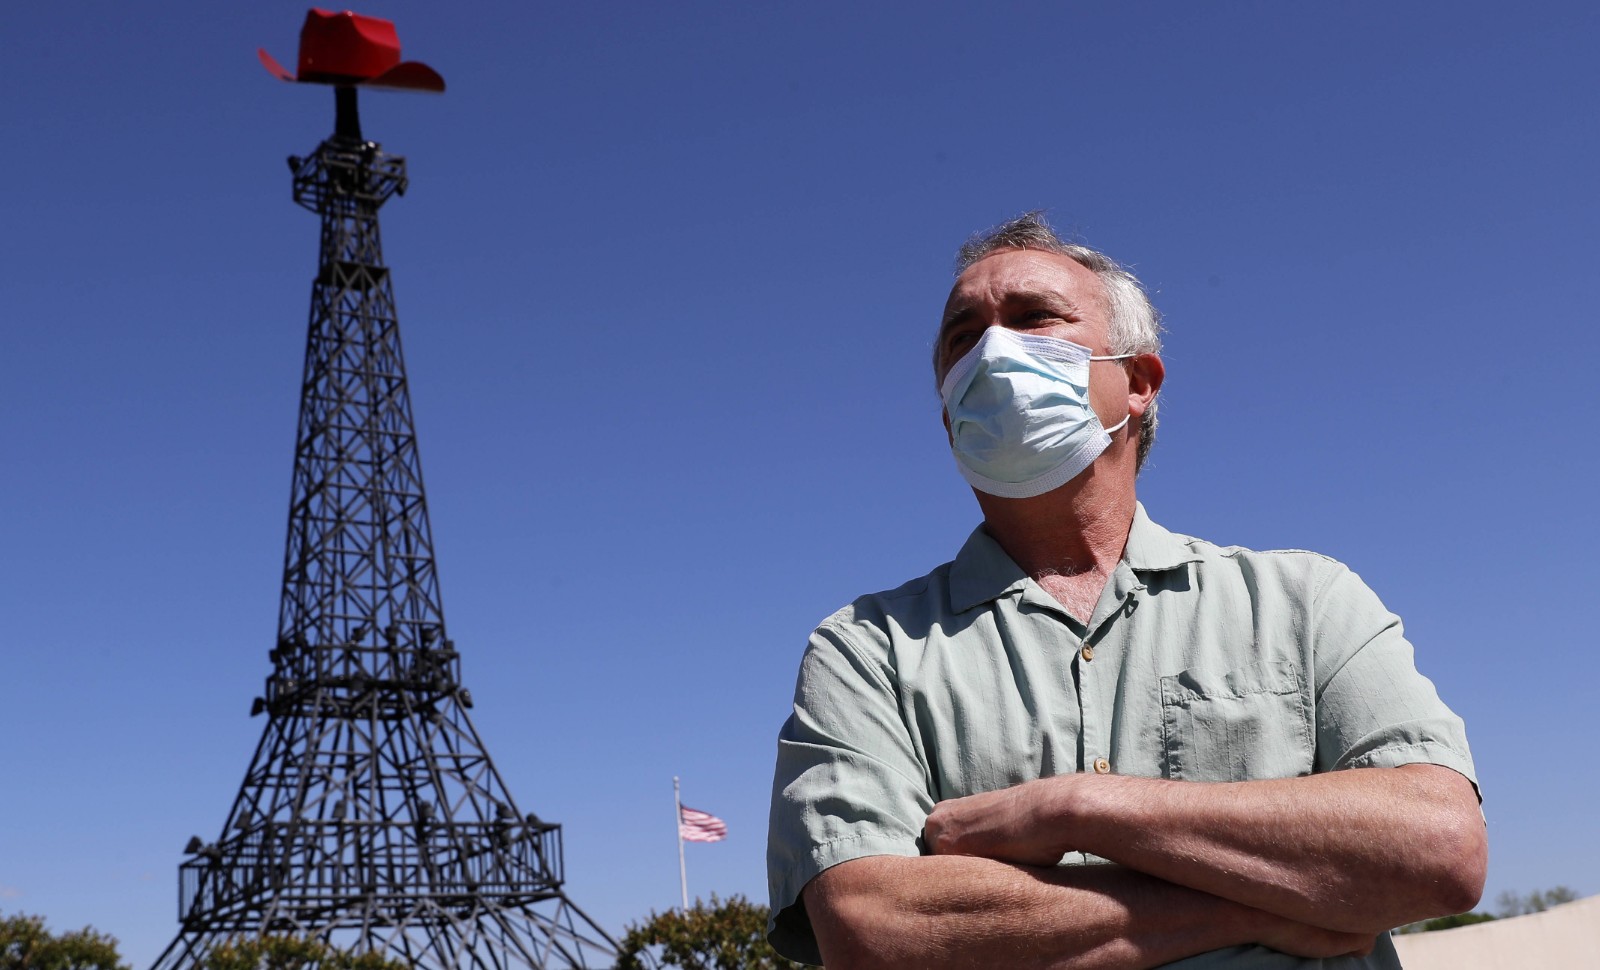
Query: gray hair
x,y
1135,323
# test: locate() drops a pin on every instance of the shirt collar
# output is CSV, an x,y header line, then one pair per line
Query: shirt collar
x,y
982,571
1151,548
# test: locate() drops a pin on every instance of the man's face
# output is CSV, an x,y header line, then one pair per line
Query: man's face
x,y
1040,293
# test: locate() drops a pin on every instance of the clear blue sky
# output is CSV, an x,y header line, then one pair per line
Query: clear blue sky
x,y
667,275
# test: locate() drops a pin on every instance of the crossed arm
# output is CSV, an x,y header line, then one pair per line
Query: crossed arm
x,y
1314,866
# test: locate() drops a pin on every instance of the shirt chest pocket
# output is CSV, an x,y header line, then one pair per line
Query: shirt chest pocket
x,y
1247,723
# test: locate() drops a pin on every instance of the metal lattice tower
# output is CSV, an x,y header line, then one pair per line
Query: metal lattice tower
x,y
371,816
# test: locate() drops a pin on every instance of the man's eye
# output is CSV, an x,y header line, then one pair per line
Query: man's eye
x,y
958,340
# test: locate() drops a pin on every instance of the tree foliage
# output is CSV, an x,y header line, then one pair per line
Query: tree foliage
x,y
1445,922
1515,904
729,934
1508,904
293,953
25,944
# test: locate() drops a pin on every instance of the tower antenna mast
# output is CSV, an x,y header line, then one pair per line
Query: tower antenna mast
x,y
371,816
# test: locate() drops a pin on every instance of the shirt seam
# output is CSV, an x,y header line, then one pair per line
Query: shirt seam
x,y
1315,617
846,643
1233,552
811,864
889,687
1460,763
1368,756
883,834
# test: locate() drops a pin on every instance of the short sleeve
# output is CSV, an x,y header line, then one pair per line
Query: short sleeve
x,y
848,782
1373,708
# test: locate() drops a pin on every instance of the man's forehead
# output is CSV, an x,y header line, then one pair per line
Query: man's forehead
x,y
1024,275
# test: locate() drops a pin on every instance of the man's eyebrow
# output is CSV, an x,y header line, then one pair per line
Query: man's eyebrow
x,y
957,314
1027,299
1047,300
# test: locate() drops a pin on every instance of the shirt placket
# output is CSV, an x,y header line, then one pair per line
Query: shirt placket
x,y
1096,669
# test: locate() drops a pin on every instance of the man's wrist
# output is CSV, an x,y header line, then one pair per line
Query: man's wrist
x,y
1088,807
1062,807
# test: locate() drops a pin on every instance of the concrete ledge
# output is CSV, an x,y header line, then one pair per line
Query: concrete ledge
x,y
1564,938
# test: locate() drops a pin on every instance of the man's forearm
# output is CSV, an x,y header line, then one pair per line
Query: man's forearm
x,y
954,911
1357,851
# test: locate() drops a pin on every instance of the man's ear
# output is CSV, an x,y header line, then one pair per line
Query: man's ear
x,y
1145,374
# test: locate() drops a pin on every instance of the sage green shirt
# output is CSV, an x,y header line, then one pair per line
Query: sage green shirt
x,y
1200,663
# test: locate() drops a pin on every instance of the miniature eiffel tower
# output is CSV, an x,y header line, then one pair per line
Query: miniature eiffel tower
x,y
371,816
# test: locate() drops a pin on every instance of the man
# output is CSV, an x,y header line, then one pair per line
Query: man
x,y
1091,742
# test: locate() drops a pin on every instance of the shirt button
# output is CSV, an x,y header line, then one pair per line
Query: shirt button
x,y
1088,652
1102,766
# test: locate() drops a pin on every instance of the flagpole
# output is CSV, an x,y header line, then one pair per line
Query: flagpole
x,y
683,873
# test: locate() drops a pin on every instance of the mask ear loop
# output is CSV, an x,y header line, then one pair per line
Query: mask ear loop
x,y
1118,426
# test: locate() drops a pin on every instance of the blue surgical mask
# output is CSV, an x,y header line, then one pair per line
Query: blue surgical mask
x,y
1020,420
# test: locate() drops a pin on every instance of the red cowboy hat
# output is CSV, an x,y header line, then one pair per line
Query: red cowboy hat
x,y
351,48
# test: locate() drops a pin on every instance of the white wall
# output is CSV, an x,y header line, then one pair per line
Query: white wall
x,y
1564,938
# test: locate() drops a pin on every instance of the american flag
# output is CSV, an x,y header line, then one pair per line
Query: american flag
x,y
697,826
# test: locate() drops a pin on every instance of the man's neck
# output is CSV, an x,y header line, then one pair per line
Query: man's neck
x,y
1068,540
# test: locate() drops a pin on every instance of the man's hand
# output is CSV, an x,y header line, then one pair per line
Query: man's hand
x,y
1312,942
1010,825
